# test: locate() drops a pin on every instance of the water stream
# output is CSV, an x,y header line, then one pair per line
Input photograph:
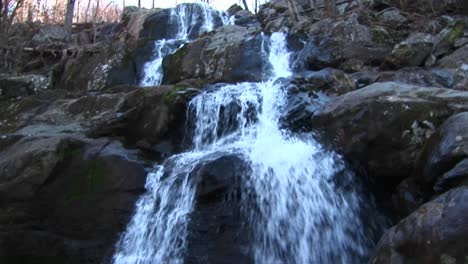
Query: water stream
x,y
301,202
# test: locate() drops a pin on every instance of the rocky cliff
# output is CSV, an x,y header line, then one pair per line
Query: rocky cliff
x,y
78,134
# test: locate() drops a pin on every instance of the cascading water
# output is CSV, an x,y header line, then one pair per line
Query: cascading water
x,y
189,20
300,202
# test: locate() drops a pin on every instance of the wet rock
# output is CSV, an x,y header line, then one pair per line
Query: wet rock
x,y
442,161
23,85
412,52
217,231
230,54
384,126
435,233
72,194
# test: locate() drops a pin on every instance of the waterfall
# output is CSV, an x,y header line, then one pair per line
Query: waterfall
x,y
190,21
299,200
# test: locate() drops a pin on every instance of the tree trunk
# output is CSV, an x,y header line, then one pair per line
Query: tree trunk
x,y
246,7
96,12
256,6
69,16
293,11
139,3
87,10
153,4
1,12
330,8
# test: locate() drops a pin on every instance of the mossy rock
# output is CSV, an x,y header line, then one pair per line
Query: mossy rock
x,y
380,35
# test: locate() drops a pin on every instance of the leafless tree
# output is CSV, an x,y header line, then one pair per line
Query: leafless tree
x,y
69,16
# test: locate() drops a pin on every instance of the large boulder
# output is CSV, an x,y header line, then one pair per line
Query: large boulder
x,y
384,126
230,54
444,160
23,85
412,52
435,233
72,194
217,230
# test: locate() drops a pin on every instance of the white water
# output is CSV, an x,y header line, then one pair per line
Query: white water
x,y
296,210
185,18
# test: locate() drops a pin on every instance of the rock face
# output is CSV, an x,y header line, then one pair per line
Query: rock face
x,y
384,125
64,199
217,232
435,233
230,54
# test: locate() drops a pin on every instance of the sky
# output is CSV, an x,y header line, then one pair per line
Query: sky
x,y
218,4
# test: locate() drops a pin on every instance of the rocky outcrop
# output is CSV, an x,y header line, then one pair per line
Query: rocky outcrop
x,y
385,125
230,54
72,194
435,233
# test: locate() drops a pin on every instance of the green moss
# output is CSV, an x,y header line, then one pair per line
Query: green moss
x,y
379,35
90,180
456,32
94,174
173,94
69,152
